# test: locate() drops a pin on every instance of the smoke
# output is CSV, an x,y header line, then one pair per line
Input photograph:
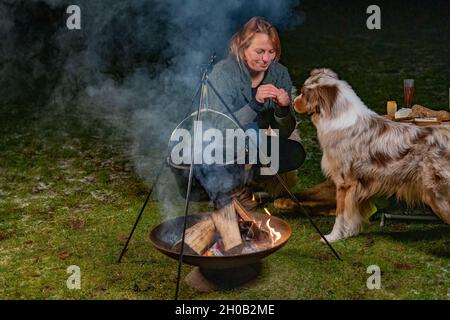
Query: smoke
x,y
134,63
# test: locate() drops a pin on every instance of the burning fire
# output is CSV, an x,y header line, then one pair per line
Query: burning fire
x,y
253,197
274,235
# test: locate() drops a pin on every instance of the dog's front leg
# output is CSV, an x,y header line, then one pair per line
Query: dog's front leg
x,y
349,220
339,225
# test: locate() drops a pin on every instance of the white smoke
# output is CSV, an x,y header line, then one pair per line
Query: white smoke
x,y
139,57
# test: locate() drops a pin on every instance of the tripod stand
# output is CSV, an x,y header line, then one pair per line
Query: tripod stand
x,y
204,85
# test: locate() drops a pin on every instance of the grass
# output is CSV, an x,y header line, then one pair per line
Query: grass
x,y
69,194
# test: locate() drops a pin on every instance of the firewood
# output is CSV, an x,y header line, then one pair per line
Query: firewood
x,y
200,236
240,193
248,204
251,231
244,214
226,223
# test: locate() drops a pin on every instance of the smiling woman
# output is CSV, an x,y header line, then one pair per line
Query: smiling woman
x,y
260,53
257,35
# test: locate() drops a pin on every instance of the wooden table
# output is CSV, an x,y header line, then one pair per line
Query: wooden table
x,y
411,121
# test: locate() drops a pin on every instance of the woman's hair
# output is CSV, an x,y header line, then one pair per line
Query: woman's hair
x,y
241,40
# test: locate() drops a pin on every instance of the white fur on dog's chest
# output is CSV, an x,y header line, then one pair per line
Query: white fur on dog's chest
x,y
355,111
327,165
342,122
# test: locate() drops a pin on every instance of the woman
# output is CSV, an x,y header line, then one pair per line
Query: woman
x,y
256,88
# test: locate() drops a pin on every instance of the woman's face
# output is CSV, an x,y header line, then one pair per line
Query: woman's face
x,y
260,54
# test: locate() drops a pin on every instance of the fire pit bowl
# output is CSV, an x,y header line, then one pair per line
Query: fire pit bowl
x,y
165,235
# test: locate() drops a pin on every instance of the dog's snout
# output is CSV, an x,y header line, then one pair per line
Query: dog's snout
x,y
298,104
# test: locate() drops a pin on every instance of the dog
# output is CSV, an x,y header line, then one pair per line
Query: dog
x,y
366,154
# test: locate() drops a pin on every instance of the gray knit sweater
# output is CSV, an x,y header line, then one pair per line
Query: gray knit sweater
x,y
233,83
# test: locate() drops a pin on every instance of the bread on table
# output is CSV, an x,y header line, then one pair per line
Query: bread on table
x,y
419,111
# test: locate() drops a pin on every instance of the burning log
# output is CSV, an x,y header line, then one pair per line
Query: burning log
x,y
226,223
229,230
252,232
250,229
200,236
216,250
245,198
244,214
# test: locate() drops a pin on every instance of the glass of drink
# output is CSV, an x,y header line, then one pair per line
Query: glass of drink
x,y
408,92
391,109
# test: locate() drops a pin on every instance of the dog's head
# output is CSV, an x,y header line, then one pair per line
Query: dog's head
x,y
318,93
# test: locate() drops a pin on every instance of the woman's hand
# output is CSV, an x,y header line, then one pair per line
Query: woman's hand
x,y
283,99
269,91
266,91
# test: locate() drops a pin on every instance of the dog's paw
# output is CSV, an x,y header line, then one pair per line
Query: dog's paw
x,y
336,236
332,237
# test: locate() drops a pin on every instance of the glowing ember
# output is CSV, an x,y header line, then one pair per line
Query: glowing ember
x,y
216,250
273,234
267,211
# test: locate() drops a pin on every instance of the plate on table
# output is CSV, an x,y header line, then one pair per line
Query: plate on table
x,y
426,121
404,119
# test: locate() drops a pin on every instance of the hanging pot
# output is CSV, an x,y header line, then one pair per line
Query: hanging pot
x,y
208,179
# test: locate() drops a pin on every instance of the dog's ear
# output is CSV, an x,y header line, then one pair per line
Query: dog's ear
x,y
315,72
324,71
330,73
326,97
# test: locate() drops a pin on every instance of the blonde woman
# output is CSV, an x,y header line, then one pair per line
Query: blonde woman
x,y
256,87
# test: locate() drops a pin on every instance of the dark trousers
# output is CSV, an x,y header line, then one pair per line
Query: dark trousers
x,y
291,154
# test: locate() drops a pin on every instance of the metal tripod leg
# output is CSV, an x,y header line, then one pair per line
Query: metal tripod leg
x,y
189,186
142,211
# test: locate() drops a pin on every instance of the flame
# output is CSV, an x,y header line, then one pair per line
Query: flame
x,y
275,235
208,253
267,211
253,197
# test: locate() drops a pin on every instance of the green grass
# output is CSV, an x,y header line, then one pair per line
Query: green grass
x,y
69,194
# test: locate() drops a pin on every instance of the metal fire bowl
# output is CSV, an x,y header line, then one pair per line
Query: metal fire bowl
x,y
167,233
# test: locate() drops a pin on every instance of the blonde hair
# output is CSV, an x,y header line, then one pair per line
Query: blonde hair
x,y
242,39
